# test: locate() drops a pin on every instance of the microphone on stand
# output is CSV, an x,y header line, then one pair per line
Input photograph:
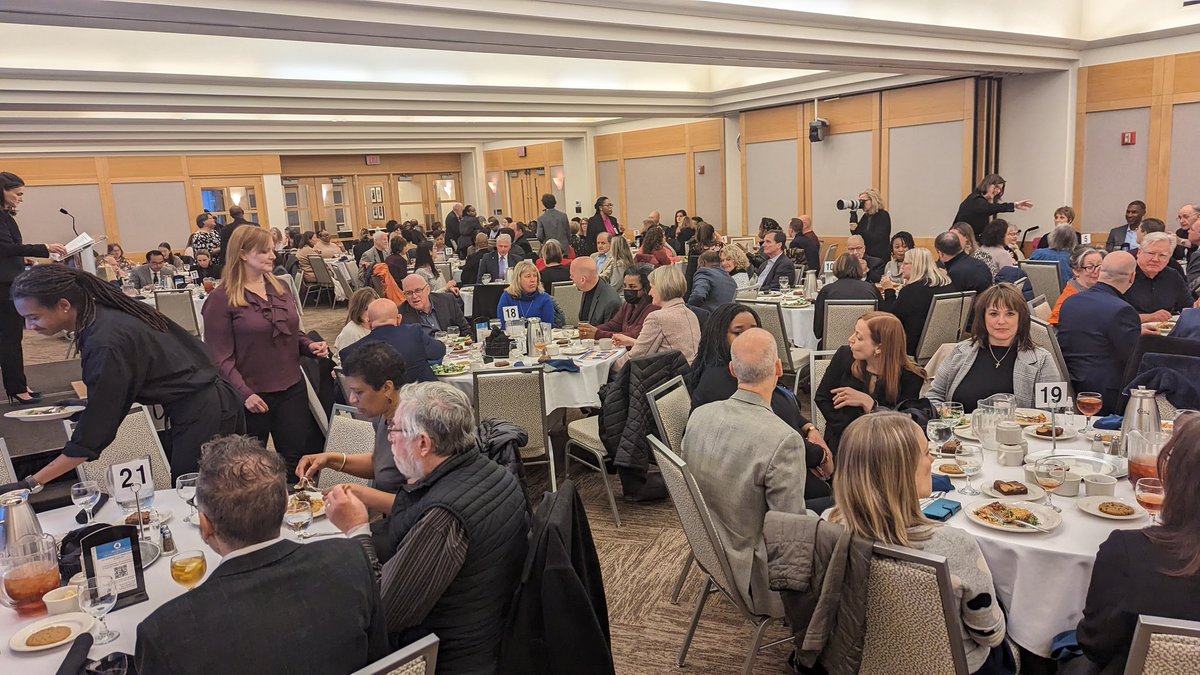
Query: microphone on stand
x,y
65,213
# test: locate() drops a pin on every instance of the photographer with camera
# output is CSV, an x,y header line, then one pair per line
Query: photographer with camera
x,y
875,224
984,202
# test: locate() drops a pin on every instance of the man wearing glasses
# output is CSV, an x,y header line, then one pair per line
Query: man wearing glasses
x,y
1157,292
431,311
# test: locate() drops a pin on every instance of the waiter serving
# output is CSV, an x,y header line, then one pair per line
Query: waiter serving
x,y
131,354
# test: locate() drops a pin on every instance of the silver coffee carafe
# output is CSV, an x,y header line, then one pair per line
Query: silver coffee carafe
x,y
17,518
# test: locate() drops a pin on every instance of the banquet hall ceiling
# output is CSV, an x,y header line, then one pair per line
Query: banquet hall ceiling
x,y
307,76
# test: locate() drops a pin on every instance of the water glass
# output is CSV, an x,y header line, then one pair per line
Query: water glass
x,y
185,487
97,595
85,495
784,284
298,517
453,332
970,459
939,432
485,279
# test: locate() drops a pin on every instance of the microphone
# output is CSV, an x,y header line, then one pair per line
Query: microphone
x,y
65,213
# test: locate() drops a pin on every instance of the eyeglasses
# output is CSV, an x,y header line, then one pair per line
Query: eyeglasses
x,y
393,430
1088,268
415,292
1158,256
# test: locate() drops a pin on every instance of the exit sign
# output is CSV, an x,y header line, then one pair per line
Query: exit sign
x,y
372,160
1128,138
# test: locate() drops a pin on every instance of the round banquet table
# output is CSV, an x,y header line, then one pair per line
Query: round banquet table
x,y
797,323
159,585
563,389
1041,579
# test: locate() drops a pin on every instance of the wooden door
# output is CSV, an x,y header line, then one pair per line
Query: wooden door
x,y
375,200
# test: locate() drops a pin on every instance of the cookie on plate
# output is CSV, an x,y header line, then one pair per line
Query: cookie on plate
x,y
1116,509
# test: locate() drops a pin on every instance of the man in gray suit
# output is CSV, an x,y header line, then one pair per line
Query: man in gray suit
x,y
553,224
154,273
747,461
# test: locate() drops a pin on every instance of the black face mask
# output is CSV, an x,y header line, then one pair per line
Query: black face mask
x,y
632,297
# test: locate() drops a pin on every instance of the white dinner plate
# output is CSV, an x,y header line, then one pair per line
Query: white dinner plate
x,y
1068,432
39,413
1047,518
1035,492
967,432
317,495
78,622
1030,411
164,516
1091,506
579,351
937,469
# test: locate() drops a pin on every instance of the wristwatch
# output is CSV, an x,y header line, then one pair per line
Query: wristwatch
x,y
32,484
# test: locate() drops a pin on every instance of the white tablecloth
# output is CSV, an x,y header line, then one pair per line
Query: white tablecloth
x,y
563,390
468,297
798,324
125,620
1042,579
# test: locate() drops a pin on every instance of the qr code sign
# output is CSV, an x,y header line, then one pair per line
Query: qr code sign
x,y
120,571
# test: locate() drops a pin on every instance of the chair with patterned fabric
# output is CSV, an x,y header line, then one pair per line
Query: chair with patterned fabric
x,y
7,473
841,316
671,405
1044,277
709,552
1046,336
584,434
315,406
909,588
794,359
136,438
179,307
569,298
1163,646
1039,308
818,364
948,314
418,658
348,435
518,395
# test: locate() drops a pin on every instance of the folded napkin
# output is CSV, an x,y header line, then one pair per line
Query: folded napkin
x,y
562,365
1110,423
942,484
81,517
77,655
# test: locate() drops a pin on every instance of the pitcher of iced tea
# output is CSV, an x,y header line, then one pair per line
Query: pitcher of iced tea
x,y
28,571
1143,447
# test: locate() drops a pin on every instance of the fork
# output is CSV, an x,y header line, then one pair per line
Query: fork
x,y
931,498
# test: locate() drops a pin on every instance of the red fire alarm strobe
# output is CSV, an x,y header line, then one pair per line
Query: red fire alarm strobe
x,y
1128,138
372,160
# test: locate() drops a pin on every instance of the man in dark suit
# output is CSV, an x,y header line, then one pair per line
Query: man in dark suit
x,y
154,273
521,241
470,269
871,267
433,311
411,340
600,300
1125,237
966,273
238,214
497,263
1098,330
269,605
777,266
453,231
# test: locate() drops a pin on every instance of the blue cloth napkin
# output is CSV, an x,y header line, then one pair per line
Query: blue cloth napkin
x,y
562,365
1110,423
942,484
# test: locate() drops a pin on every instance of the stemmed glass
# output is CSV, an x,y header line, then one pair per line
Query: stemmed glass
x,y
188,568
1089,403
185,487
970,459
298,517
97,595
1050,473
85,495
950,410
785,285
939,431
1149,493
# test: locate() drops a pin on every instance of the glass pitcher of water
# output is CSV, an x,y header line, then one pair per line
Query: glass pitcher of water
x,y
988,412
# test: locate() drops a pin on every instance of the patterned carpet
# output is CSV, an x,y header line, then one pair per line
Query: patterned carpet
x,y
640,560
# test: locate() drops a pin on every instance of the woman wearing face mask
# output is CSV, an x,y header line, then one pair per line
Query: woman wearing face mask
x,y
626,325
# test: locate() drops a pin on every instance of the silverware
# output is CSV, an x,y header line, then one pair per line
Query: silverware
x,y
1002,522
308,535
932,498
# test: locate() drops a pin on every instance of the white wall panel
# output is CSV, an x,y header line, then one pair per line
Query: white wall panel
x,y
1113,174
924,177
610,186
772,182
709,187
41,223
841,166
655,184
1185,160
151,213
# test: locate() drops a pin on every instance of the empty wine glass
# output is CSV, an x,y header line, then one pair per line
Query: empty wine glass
x,y
85,495
1050,473
97,595
185,487
969,458
939,432
298,517
1149,494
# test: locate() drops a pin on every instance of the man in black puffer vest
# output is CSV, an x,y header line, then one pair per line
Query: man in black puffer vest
x,y
455,543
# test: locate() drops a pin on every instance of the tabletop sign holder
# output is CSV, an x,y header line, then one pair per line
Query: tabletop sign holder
x,y
1086,238
116,552
511,313
1051,396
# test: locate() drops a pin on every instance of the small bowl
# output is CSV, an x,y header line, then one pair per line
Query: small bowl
x,y
62,600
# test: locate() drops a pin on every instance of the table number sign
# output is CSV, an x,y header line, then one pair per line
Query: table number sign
x,y
511,313
1050,395
115,552
1085,238
124,477
828,267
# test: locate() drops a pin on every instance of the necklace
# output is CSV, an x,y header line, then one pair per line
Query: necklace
x,y
1001,359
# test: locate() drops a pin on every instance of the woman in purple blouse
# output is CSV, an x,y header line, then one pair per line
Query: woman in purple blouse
x,y
252,331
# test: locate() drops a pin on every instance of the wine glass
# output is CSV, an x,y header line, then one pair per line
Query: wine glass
x,y
1149,494
485,279
950,410
1089,403
969,458
939,431
97,595
453,332
85,495
298,517
785,285
188,568
185,487
1050,473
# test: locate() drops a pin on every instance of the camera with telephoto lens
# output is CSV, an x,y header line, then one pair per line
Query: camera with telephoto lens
x,y
850,204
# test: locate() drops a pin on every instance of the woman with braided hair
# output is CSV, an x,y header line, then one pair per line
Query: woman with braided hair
x,y
130,354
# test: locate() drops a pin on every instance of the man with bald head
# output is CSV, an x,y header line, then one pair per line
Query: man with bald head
x,y
1098,330
432,311
747,461
415,344
600,300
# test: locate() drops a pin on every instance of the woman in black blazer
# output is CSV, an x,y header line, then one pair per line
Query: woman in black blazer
x,y
922,280
602,221
871,373
983,203
848,286
875,225
13,252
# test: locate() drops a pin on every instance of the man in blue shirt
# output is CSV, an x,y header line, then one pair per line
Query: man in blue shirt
x,y
1125,236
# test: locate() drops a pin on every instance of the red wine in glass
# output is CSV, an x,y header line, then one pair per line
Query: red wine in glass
x,y
1089,403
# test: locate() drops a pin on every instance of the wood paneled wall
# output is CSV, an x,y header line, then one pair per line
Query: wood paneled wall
x,y
353,165
540,156
679,139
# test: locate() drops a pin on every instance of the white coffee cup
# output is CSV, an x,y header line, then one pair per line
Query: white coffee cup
x,y
605,343
1099,485
62,600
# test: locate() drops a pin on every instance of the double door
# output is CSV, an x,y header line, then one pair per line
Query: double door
x,y
525,190
320,204
344,205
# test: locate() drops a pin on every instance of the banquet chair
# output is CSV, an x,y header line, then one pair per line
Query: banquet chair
x,y
584,434
671,405
518,395
830,254
7,473
339,274
818,364
944,323
1039,308
487,298
351,436
1045,336
418,658
315,406
1164,646
911,588
569,298
536,247
709,553
747,293
794,359
324,282
1044,278
294,282
747,243
841,316
136,438
444,270
179,307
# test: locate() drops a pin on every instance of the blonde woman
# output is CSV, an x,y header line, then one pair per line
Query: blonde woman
x,y
874,225
620,259
357,327
526,293
252,332
735,262
883,473
673,326
923,279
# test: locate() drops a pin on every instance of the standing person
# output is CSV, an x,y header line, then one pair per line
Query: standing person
x,y
875,224
468,227
983,203
13,252
1124,237
805,245
602,221
553,224
252,331
129,354
238,214
206,237
453,228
